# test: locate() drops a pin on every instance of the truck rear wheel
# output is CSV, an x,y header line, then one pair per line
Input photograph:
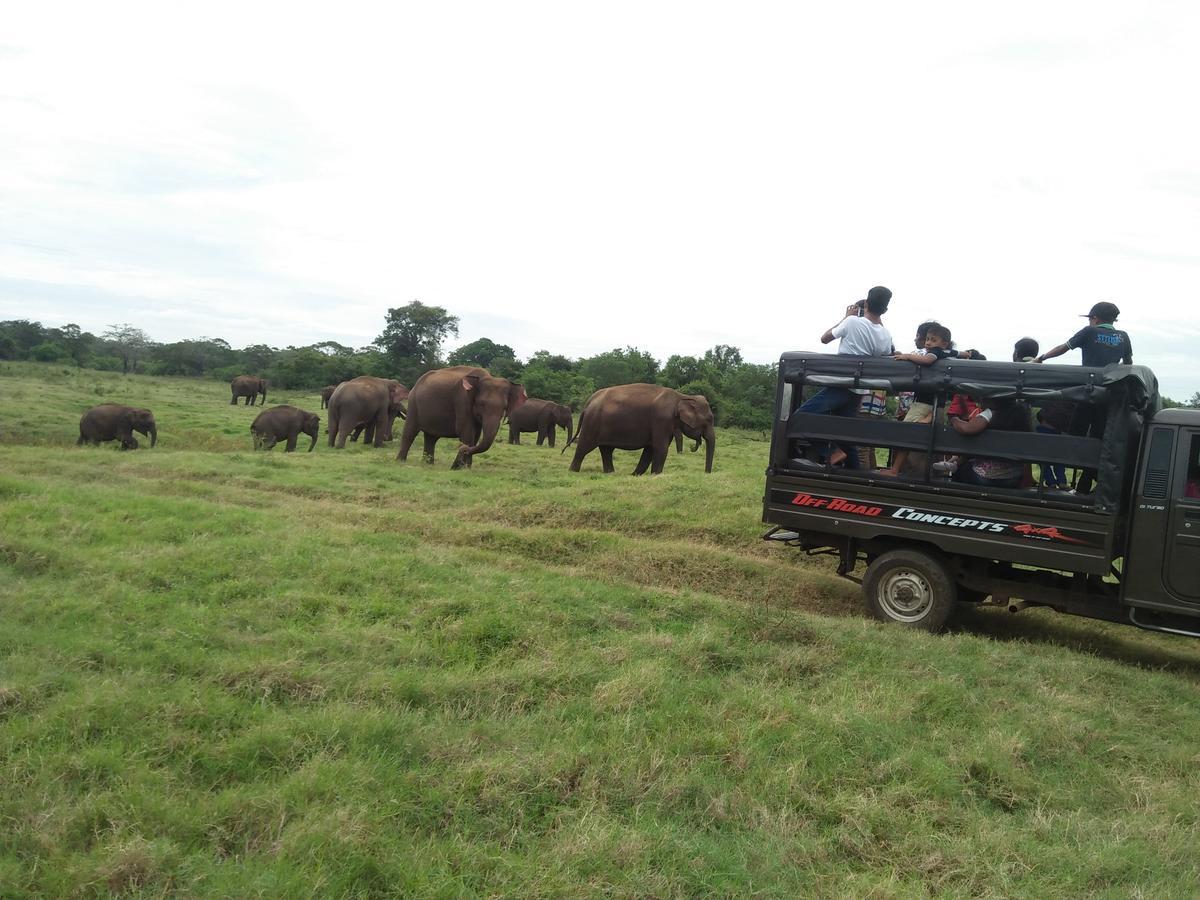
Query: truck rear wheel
x,y
911,588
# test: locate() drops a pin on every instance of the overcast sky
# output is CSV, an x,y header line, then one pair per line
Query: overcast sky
x,y
578,177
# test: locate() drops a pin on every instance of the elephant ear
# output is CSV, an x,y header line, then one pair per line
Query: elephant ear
x,y
470,382
687,411
399,392
516,396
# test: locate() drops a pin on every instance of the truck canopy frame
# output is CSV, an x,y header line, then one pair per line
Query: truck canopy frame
x,y
1128,394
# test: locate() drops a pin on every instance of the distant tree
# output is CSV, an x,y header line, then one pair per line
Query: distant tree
x,y
552,361
128,343
192,357
78,343
480,353
507,367
628,366
679,370
49,351
722,359
412,338
1194,403
19,336
332,348
255,358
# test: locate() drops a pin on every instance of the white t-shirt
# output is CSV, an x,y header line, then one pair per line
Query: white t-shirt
x,y
862,337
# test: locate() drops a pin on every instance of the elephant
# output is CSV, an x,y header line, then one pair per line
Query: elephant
x,y
541,416
326,393
111,421
365,400
642,417
466,402
248,386
395,411
284,423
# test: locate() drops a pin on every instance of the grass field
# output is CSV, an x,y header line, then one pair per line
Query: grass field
x,y
233,674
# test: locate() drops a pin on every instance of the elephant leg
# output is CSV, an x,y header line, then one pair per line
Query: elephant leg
x,y
514,436
541,436
644,462
379,428
550,436
430,442
582,449
407,437
343,433
291,444
660,458
233,400
606,453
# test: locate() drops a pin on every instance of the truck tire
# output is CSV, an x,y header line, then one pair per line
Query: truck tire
x,y
910,588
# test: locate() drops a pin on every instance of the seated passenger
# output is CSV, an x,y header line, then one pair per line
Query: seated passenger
x,y
1007,415
937,346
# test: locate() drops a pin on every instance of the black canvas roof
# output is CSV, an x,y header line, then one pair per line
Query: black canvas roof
x,y
978,378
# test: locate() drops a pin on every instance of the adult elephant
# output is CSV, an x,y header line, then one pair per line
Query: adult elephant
x,y
326,393
542,416
465,402
248,386
281,423
395,411
365,400
113,422
642,417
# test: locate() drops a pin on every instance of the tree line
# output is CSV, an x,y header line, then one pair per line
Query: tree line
x,y
741,394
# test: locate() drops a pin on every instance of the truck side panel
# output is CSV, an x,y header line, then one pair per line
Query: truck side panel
x,y
1070,540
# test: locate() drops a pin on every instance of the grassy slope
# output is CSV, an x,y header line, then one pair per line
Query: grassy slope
x,y
226,673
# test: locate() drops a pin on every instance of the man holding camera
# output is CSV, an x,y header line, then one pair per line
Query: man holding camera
x,y
861,333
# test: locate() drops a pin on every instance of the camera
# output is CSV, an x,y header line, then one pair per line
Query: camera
x,y
862,305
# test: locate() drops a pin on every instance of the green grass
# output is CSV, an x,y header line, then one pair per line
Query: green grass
x,y
234,674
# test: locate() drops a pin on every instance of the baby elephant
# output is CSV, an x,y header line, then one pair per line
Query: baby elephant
x,y
113,422
284,422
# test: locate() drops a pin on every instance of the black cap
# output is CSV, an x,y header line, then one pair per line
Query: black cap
x,y
1104,311
878,298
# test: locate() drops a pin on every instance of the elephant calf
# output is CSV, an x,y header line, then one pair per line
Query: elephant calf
x,y
284,423
248,386
542,416
113,422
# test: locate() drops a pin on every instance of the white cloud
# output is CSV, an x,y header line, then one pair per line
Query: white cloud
x,y
664,175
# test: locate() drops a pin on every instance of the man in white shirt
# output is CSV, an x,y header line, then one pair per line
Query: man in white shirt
x,y
862,334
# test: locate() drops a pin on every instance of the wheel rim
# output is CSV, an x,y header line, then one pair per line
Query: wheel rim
x,y
906,595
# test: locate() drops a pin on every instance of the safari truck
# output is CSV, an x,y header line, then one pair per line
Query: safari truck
x,y
1129,552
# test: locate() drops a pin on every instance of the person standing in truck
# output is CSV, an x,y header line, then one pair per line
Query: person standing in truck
x,y
861,333
1102,344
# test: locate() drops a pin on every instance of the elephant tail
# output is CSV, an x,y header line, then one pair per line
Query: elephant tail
x,y
571,438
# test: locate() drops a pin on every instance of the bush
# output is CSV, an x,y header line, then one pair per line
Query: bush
x,y
48,352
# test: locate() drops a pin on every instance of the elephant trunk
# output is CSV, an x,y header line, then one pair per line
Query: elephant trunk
x,y
487,436
696,446
710,443
569,431
153,435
